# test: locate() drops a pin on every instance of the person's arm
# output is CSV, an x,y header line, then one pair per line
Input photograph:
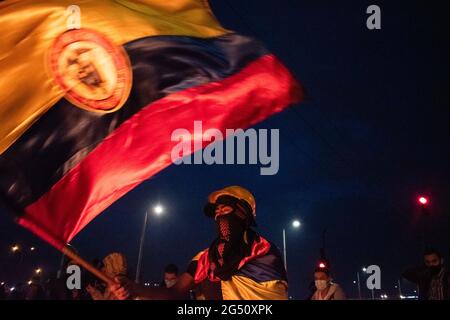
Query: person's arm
x,y
95,293
339,294
127,289
414,274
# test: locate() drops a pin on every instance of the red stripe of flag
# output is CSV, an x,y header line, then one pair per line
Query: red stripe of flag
x,y
141,146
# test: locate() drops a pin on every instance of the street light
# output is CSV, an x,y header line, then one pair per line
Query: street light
x,y
38,271
372,292
424,209
399,287
157,210
423,200
16,249
359,285
295,224
358,279
32,248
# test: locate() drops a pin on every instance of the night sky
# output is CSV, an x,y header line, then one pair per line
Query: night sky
x,y
372,135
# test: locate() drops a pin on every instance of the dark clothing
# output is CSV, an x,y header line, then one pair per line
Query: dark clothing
x,y
35,292
260,275
56,289
208,290
2,293
423,278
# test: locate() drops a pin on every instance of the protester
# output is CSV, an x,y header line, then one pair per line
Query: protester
x,y
56,287
35,291
170,276
75,293
326,289
114,265
432,277
239,263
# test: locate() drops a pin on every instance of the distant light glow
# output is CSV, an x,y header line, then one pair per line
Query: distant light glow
x,y
15,248
364,269
296,223
32,248
322,265
30,282
38,271
158,209
423,200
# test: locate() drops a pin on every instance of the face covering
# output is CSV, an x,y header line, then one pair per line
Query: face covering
x,y
229,248
170,283
230,228
230,237
321,284
434,270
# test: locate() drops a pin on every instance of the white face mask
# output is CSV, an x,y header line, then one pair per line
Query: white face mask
x,y
170,283
321,284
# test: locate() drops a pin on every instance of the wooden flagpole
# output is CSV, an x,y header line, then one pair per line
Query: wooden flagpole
x,y
86,265
69,252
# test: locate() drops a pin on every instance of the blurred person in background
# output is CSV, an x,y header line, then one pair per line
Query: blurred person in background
x,y
115,266
326,289
35,290
170,276
431,277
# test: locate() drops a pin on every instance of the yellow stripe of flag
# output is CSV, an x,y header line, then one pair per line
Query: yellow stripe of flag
x,y
29,27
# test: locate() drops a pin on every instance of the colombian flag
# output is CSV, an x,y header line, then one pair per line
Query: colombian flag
x,y
91,91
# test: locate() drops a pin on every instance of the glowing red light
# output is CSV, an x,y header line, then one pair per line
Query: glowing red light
x,y
423,200
322,265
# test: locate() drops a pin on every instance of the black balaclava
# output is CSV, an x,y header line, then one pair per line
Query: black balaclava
x,y
229,248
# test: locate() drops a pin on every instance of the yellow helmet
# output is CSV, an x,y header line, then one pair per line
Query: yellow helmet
x,y
236,192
